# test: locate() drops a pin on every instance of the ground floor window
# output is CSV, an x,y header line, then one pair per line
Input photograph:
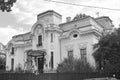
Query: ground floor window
x,y
70,53
83,53
12,64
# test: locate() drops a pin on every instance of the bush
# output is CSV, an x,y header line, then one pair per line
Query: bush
x,y
74,65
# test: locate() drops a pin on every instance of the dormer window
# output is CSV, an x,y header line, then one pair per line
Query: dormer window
x,y
39,40
12,51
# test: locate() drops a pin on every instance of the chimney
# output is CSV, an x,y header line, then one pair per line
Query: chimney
x,y
68,19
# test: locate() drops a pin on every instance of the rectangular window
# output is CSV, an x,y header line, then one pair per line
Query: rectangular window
x,y
52,60
12,64
12,51
39,40
83,53
51,37
70,53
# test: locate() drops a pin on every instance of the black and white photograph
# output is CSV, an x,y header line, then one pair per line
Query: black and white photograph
x,y
59,39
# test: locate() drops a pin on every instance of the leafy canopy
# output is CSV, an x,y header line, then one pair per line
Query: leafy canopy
x,y
107,53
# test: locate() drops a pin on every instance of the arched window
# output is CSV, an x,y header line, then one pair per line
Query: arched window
x,y
12,51
39,40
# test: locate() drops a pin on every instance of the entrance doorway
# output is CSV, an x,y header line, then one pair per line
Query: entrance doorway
x,y
40,64
38,58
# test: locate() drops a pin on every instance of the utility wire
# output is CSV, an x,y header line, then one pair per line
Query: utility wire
x,y
82,5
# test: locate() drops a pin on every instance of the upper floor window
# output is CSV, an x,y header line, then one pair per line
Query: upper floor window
x,y
39,40
70,53
83,53
51,37
12,51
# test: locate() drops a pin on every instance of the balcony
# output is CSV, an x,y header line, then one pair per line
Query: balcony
x,y
39,44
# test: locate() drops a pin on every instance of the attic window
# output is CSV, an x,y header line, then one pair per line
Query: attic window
x,y
75,35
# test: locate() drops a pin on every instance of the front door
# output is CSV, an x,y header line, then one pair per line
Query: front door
x,y
40,64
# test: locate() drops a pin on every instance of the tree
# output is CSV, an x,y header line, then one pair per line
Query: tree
x,y
2,63
107,54
70,65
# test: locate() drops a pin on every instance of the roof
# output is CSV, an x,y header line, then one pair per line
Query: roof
x,y
73,21
25,36
82,22
51,11
103,17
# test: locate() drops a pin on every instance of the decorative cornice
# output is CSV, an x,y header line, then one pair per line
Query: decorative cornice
x,y
51,28
69,47
67,35
82,45
22,45
48,12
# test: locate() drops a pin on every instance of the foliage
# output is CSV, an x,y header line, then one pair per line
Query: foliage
x,y
74,65
2,63
107,53
79,16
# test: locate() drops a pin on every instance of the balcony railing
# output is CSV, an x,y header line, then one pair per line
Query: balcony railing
x,y
39,44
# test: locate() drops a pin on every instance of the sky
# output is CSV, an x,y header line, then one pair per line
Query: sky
x,y
24,14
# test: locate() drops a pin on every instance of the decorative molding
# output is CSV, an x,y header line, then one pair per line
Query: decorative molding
x,y
69,47
51,47
82,45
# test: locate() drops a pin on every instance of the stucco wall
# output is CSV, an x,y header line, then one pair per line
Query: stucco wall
x,y
76,44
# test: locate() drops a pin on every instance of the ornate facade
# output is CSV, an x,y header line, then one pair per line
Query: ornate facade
x,y
50,41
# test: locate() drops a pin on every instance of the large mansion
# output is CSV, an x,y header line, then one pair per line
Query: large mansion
x,y
50,41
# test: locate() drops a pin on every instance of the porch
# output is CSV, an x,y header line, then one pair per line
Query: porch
x,y
35,61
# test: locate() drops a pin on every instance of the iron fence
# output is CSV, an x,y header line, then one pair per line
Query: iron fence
x,y
52,76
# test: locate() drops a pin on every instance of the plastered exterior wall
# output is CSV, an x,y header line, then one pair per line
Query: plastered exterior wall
x,y
55,47
48,46
71,43
50,19
19,57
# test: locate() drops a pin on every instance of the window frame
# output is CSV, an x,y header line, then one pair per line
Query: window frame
x,y
52,37
12,64
70,53
83,53
40,40
12,51
52,60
